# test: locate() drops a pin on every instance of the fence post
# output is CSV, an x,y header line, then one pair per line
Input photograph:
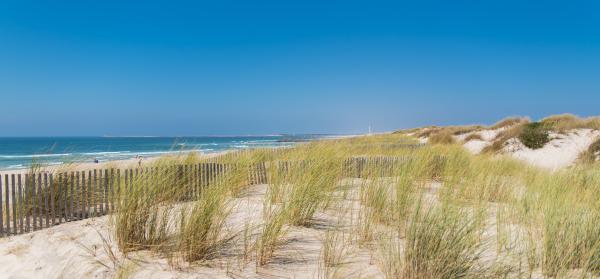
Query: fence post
x,y
111,202
72,194
105,192
83,197
39,201
95,193
89,194
7,200
14,204
59,198
118,191
46,194
33,202
21,210
1,211
52,196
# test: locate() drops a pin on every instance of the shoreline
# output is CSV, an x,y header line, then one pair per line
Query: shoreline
x,y
132,161
121,164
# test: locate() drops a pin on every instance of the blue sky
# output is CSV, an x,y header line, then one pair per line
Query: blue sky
x,y
262,67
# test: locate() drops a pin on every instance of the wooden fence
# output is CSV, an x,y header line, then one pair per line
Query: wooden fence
x,y
30,202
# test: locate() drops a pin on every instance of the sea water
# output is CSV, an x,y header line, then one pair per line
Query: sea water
x,y
22,152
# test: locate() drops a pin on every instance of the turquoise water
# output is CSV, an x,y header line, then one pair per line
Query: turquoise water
x,y
21,152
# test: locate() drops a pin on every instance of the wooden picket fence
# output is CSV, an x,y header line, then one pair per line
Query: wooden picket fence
x,y
30,202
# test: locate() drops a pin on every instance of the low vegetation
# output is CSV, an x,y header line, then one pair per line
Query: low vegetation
x,y
565,122
592,154
534,135
499,142
442,137
473,136
433,211
510,122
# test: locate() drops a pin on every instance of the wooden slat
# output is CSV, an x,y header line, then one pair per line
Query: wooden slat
x,y
77,197
52,202
124,189
112,190
213,173
208,168
193,180
71,197
90,195
190,176
64,194
21,208
7,201
46,203
184,179
26,199
33,200
1,211
106,181
40,201
61,201
32,203
14,203
186,173
202,172
66,184
118,189
100,193
84,196
209,173
95,193
204,175
59,198
196,180
202,178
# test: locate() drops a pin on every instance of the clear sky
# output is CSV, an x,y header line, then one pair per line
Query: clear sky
x,y
262,67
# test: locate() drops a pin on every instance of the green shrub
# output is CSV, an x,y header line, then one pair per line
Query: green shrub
x,y
534,135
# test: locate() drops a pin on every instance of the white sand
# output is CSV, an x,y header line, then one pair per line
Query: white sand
x,y
562,150
476,146
77,250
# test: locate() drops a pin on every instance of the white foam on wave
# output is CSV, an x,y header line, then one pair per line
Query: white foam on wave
x,y
106,153
34,156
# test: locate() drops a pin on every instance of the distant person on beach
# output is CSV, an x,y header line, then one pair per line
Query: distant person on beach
x,y
140,160
96,160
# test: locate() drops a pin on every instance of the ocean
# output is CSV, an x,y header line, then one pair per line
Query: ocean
x,y
21,152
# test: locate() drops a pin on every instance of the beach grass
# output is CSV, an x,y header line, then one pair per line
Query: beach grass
x,y
435,211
